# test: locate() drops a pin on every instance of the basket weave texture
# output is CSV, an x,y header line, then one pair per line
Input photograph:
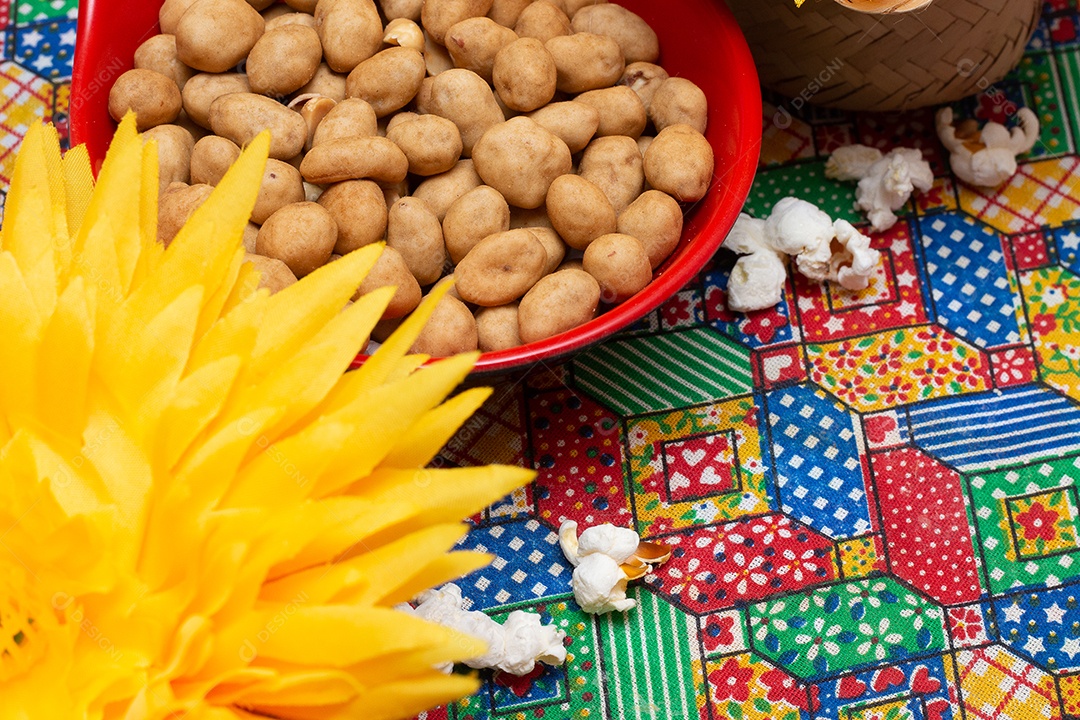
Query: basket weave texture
x,y
836,57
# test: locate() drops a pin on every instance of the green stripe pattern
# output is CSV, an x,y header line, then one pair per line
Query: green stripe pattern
x,y
1069,62
647,662
660,372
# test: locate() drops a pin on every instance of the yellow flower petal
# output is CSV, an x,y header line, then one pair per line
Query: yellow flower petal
x,y
23,329
106,245
430,433
197,399
63,361
78,186
301,309
31,236
442,569
366,578
457,492
148,204
345,523
302,689
376,434
342,635
381,366
407,697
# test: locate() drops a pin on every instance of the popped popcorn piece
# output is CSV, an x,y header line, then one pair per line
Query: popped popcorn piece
x,y
886,184
605,558
851,162
618,543
986,158
889,186
757,281
599,585
796,226
814,263
854,263
747,235
514,646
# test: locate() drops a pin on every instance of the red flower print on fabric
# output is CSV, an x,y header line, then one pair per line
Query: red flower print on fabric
x,y
1039,523
731,681
967,623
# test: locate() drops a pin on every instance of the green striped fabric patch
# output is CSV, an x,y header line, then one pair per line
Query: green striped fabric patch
x,y
660,372
647,662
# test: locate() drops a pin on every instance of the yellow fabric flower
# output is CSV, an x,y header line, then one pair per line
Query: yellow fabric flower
x,y
200,516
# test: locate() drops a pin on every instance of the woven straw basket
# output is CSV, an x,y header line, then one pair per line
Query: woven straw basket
x,y
882,54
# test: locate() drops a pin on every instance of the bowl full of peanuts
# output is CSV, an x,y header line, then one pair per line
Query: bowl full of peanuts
x,y
569,164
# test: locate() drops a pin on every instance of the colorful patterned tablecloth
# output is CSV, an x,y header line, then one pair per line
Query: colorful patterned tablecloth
x,y
37,44
871,496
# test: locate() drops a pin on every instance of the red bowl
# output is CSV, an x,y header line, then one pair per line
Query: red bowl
x,y
699,40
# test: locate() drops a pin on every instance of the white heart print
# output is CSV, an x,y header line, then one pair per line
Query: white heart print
x,y
679,481
693,457
775,365
709,476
